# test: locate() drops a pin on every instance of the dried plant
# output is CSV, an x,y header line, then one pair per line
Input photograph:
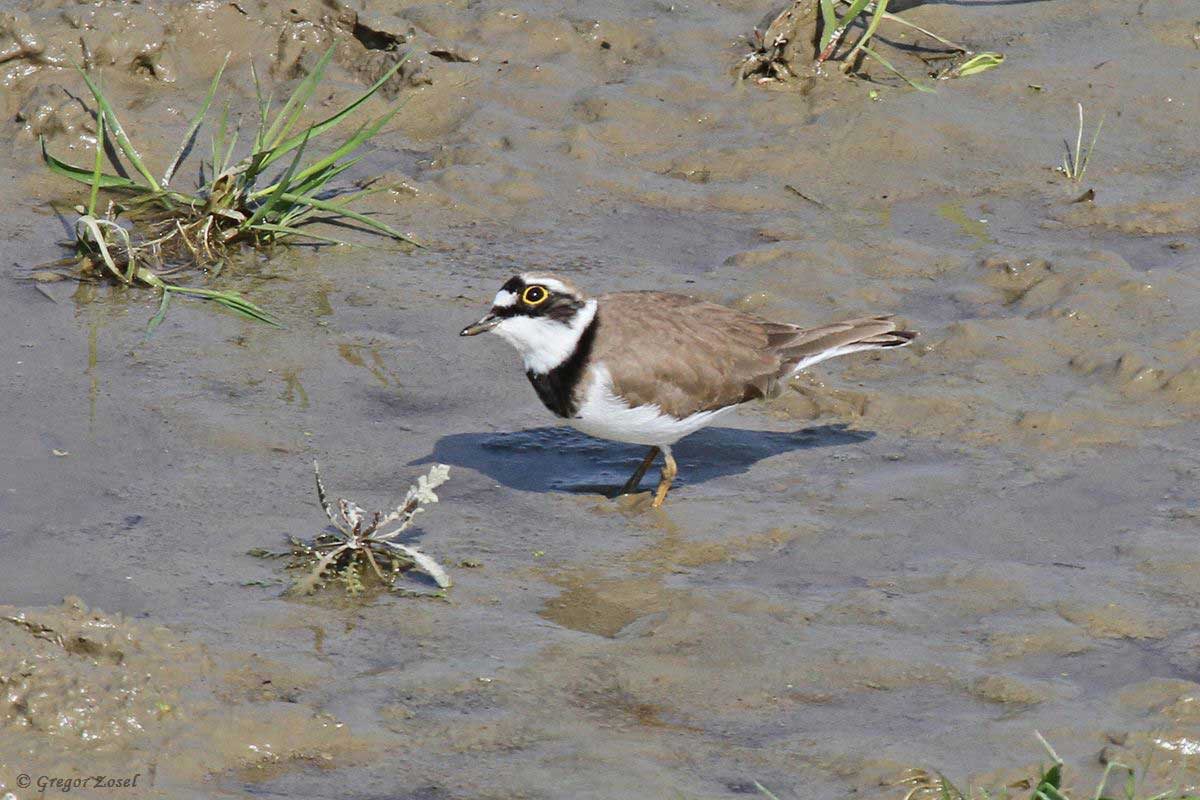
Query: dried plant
x,y
357,543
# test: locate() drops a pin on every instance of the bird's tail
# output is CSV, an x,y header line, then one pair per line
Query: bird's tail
x,y
800,348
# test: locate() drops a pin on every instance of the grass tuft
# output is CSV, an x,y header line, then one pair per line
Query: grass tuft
x,y
1075,162
151,231
775,49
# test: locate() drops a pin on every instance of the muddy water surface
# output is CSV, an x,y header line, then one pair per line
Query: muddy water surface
x,y
910,560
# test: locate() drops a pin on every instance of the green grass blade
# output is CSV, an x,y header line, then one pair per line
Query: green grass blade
x,y
96,172
347,198
329,122
1108,768
356,140
313,169
318,181
981,62
900,20
1078,144
245,308
1091,147
872,26
833,35
828,19
231,300
249,310
325,205
343,200
118,132
1050,750
190,137
279,192
291,230
855,9
289,115
265,116
229,151
312,187
85,175
887,64
766,792
264,109
162,312
217,145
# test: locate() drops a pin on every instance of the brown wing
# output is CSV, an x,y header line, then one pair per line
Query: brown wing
x,y
688,355
684,354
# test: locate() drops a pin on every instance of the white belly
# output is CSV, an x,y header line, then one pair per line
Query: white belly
x,y
606,416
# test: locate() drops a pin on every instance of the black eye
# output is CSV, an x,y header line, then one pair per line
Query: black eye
x,y
534,295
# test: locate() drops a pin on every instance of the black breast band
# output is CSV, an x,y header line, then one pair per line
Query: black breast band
x,y
556,388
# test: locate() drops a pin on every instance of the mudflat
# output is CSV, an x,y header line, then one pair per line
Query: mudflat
x,y
910,560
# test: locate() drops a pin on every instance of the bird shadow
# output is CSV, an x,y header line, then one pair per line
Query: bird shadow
x,y
560,459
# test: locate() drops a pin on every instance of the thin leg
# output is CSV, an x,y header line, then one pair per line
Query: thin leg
x,y
631,485
669,471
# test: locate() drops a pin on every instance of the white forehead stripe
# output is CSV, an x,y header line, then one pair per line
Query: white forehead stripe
x,y
504,299
552,284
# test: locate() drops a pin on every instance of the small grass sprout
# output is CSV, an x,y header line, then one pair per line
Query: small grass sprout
x,y
764,791
150,231
1075,162
980,62
358,547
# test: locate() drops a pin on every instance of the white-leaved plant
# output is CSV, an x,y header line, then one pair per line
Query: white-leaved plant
x,y
359,535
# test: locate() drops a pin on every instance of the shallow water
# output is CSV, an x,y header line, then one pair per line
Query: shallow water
x,y
915,559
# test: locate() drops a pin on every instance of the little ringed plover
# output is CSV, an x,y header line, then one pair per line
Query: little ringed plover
x,y
651,367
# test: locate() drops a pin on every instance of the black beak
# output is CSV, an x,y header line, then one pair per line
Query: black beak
x,y
485,324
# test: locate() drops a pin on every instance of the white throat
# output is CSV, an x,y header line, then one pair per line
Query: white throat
x,y
545,343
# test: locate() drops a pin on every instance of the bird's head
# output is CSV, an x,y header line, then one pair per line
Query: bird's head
x,y
542,316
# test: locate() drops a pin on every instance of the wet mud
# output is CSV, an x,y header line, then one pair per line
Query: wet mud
x,y
911,559
130,708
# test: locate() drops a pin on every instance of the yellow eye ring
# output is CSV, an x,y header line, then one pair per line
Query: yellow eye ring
x,y
534,295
